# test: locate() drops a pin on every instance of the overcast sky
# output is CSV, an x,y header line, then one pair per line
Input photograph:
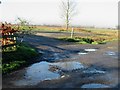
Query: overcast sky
x,y
101,13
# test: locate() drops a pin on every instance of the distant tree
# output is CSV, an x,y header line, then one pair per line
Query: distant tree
x,y
68,10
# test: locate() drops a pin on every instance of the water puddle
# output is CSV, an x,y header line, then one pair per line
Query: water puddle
x,y
110,53
36,73
42,71
82,53
86,51
90,50
93,71
95,85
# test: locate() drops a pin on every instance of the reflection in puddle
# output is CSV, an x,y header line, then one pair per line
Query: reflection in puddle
x,y
68,66
36,73
95,85
90,50
82,53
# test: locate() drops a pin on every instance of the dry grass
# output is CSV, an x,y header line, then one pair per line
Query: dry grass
x,y
106,34
92,33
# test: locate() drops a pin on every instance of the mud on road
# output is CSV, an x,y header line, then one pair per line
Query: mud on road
x,y
67,65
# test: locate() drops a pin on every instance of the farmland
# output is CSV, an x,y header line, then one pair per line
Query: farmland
x,y
95,34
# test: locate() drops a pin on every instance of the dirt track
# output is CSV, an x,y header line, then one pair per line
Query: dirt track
x,y
59,51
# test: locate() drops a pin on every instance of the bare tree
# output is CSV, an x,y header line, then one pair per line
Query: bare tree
x,y
68,10
22,21
24,26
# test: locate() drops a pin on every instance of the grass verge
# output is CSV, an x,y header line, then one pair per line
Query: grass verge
x,y
83,40
23,55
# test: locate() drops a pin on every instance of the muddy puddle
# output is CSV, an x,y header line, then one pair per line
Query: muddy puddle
x,y
41,71
57,56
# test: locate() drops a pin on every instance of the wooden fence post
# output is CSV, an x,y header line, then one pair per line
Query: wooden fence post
x,y
72,32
